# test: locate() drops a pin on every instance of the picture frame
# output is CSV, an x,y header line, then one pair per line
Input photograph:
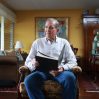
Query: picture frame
x,y
40,23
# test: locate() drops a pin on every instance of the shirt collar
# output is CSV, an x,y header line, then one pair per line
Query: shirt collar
x,y
52,40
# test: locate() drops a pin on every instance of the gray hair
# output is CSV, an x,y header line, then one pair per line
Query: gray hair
x,y
55,22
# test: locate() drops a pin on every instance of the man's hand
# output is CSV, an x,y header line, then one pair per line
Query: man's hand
x,y
56,72
35,63
60,69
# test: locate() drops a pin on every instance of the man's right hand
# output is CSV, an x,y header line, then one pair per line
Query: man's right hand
x,y
35,63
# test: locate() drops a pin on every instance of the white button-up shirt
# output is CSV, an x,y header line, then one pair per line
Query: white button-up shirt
x,y
52,49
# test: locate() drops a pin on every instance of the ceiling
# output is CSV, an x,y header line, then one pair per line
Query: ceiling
x,y
50,4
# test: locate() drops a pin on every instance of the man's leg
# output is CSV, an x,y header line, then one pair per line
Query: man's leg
x,y
33,84
68,80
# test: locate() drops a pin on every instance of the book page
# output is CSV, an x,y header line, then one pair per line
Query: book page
x,y
54,58
46,56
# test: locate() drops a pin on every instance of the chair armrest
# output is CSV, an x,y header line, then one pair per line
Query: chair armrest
x,y
23,71
76,69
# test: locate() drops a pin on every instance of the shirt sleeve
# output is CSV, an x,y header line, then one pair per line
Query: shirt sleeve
x,y
30,57
69,58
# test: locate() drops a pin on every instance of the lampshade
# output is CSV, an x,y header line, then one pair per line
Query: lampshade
x,y
18,45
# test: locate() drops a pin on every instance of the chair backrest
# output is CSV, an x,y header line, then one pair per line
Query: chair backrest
x,y
75,50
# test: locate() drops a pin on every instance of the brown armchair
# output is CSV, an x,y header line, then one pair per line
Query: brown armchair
x,y
8,71
52,90
8,77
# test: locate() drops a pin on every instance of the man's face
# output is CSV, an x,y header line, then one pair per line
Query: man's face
x,y
50,30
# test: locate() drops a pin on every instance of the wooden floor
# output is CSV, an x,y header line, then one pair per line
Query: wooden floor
x,y
88,88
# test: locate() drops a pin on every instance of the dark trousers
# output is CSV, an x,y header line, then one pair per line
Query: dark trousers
x,y
35,80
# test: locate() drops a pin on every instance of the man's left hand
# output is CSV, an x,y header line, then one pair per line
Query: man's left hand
x,y
56,72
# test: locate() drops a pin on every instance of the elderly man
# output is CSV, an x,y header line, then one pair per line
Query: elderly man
x,y
52,46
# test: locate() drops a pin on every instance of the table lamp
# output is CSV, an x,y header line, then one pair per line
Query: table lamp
x,y
18,46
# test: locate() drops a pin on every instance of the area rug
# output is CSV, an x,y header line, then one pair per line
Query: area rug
x,y
88,85
93,87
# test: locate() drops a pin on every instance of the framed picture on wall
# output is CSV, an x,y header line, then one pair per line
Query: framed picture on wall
x,y
40,22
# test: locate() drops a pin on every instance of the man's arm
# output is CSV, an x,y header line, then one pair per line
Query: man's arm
x,y
69,58
30,60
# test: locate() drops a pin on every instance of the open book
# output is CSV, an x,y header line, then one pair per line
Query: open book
x,y
48,63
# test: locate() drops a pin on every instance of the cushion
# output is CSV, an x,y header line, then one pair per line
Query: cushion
x,y
52,89
10,53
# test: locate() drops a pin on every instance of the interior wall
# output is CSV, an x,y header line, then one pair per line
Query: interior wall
x,y
25,26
